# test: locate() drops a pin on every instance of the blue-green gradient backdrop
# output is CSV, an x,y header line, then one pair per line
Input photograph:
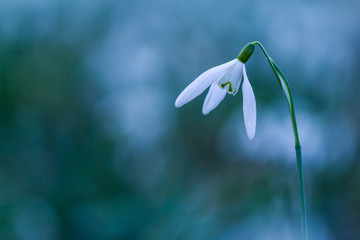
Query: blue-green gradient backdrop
x,y
92,147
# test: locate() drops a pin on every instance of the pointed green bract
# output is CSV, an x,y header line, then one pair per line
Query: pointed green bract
x,y
283,83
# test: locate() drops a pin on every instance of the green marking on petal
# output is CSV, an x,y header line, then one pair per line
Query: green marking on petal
x,y
223,85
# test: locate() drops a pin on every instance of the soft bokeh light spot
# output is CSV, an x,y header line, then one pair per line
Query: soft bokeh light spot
x,y
36,220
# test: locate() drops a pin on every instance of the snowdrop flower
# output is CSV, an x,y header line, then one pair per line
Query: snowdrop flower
x,y
222,79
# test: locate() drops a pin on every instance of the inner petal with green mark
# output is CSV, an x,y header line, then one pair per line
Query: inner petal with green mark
x,y
232,78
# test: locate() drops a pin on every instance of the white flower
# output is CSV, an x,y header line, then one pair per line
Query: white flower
x,y
221,79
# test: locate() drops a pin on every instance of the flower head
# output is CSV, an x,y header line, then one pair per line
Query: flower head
x,y
222,79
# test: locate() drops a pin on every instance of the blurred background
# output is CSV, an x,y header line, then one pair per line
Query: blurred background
x,y
92,147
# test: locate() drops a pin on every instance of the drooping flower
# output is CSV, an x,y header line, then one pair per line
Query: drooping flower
x,y
222,79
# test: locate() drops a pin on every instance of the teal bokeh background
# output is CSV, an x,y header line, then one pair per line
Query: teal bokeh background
x,y
92,147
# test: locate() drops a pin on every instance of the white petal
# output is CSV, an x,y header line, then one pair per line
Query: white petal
x,y
249,107
202,82
214,97
232,78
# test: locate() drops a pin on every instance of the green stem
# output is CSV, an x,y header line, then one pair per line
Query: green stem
x,y
286,89
302,193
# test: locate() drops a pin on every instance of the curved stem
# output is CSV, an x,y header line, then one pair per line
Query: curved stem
x,y
280,77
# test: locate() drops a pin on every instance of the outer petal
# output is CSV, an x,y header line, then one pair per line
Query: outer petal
x,y
213,98
202,82
249,106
